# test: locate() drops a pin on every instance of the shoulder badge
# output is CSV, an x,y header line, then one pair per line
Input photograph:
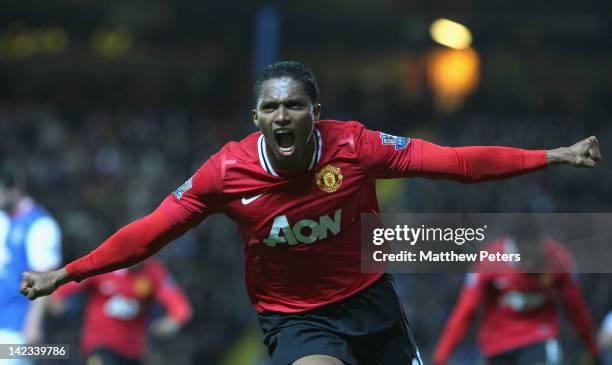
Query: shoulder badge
x,y
399,142
182,189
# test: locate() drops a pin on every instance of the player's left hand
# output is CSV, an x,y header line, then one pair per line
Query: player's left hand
x,y
165,327
584,153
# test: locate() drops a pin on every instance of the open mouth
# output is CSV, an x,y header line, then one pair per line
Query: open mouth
x,y
285,140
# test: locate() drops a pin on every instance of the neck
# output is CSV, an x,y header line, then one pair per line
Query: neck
x,y
295,164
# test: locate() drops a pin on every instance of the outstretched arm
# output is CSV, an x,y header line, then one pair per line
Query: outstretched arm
x,y
482,163
384,156
131,244
185,208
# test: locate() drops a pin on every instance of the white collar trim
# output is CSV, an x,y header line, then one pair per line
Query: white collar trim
x,y
264,160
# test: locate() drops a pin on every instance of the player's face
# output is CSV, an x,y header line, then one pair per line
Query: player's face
x,y
286,115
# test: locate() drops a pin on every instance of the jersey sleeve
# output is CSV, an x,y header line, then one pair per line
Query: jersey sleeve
x,y
387,156
128,246
198,197
43,245
182,210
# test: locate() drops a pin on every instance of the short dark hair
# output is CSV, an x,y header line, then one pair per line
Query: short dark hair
x,y
294,70
12,175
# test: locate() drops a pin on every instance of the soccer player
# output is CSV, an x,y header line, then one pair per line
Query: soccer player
x,y
520,321
115,325
297,189
30,239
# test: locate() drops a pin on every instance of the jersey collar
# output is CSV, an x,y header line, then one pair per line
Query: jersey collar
x,y
264,160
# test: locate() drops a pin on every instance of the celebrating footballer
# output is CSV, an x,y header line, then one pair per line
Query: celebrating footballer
x,y
296,190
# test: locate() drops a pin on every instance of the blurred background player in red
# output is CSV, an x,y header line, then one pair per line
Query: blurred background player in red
x,y
520,319
115,325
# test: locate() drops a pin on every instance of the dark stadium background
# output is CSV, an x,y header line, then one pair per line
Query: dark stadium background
x,y
111,105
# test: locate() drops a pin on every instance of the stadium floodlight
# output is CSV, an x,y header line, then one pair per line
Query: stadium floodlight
x,y
450,34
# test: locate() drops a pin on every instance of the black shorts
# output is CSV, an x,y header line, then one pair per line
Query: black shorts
x,y
369,328
542,353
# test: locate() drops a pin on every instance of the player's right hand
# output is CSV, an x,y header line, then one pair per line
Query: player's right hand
x,y
38,284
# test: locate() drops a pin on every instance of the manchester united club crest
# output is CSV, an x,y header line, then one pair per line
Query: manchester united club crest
x,y
329,178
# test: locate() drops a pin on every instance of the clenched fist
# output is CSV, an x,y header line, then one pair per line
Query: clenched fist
x,y
581,154
38,284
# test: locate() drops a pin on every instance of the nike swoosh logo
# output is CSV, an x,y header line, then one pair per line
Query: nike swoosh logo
x,y
246,201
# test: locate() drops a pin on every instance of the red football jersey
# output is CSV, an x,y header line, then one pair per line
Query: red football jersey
x,y
115,315
519,308
301,235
